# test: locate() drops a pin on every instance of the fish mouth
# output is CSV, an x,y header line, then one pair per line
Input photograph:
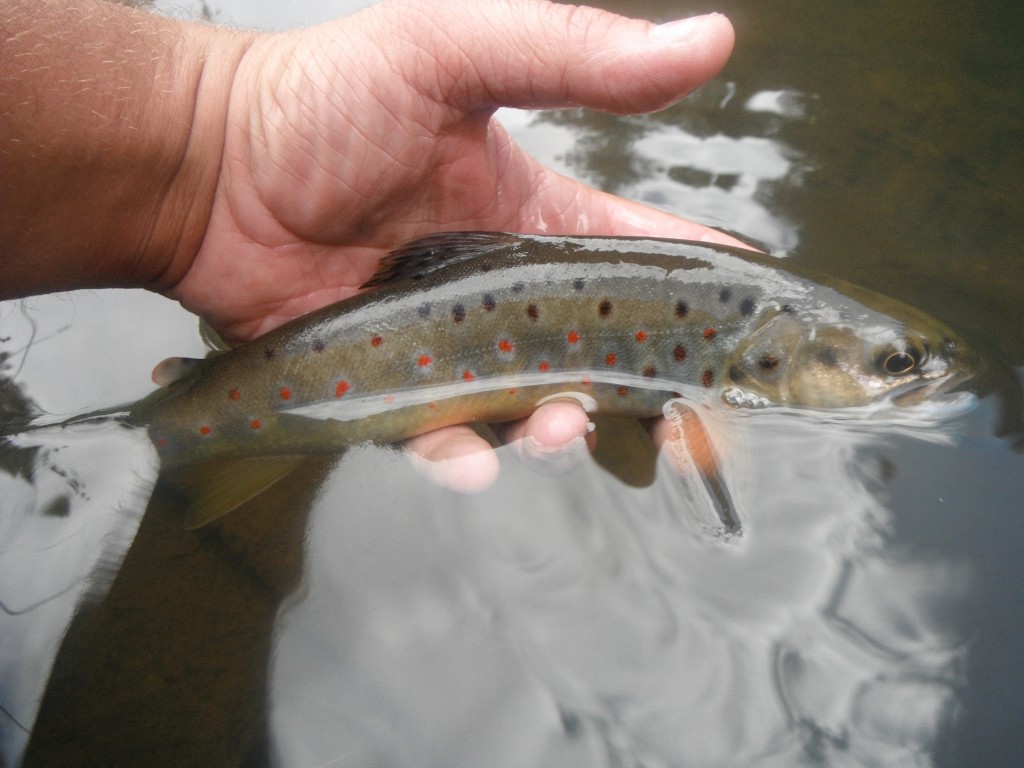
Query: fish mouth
x,y
942,373
929,386
919,391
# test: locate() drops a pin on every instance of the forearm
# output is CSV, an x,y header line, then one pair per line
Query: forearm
x,y
111,130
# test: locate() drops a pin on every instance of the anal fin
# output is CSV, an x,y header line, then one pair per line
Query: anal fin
x,y
215,488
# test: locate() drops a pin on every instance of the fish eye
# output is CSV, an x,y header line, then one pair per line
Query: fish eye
x,y
898,362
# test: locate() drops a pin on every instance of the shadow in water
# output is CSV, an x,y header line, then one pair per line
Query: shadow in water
x,y
167,666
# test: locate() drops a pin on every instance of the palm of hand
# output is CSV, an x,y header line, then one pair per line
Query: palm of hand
x,y
347,139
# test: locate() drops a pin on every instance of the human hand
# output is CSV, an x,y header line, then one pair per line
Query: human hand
x,y
346,139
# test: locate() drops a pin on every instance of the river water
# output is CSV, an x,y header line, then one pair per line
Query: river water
x,y
870,613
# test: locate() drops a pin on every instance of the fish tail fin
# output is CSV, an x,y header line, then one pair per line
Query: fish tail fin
x,y
41,421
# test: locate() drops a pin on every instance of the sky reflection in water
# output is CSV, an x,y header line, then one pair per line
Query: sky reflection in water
x,y
541,625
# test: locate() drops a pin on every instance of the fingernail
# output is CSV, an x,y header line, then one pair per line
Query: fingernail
x,y
681,30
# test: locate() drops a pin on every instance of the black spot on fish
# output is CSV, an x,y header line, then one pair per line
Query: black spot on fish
x,y
682,310
268,353
735,374
605,308
319,346
488,302
424,309
532,312
679,353
650,371
768,362
578,284
458,313
747,306
724,295
827,357
789,309
518,287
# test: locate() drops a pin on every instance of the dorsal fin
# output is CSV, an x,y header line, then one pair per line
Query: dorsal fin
x,y
441,250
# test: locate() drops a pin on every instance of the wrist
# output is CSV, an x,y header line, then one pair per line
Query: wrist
x,y
111,131
209,59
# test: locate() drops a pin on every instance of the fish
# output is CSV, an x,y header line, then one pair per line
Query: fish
x,y
465,327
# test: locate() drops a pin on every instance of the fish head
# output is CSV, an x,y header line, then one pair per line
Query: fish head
x,y
834,362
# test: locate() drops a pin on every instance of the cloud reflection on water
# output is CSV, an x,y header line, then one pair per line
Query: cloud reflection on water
x,y
582,621
683,159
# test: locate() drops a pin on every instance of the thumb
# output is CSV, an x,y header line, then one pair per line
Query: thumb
x,y
539,54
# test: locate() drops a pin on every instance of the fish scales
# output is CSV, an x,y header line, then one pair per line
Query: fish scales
x,y
465,327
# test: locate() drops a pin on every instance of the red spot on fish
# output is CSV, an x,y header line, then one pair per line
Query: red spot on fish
x,y
431,405
544,366
424,361
650,372
679,353
610,359
585,382
709,333
512,390
255,424
468,375
376,340
341,389
641,337
389,399
285,393
162,442
234,394
205,430
573,337
707,378
623,391
505,345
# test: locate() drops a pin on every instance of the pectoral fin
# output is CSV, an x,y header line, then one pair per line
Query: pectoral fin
x,y
215,488
695,456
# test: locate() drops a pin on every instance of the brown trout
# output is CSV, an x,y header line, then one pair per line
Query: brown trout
x,y
483,327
